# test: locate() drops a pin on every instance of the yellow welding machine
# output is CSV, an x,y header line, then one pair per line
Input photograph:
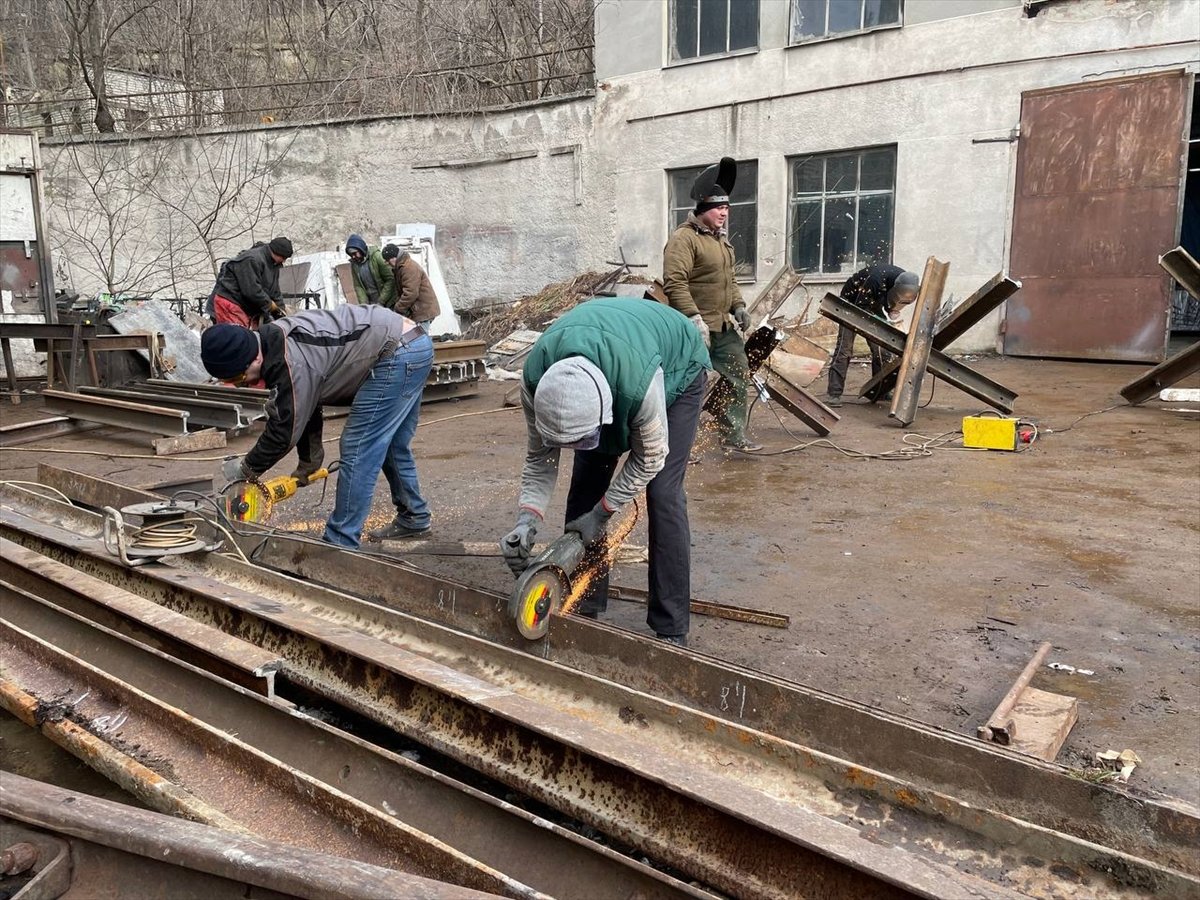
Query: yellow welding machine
x,y
989,432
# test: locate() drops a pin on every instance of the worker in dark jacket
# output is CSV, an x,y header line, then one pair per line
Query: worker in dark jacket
x,y
883,291
415,297
607,378
365,356
373,278
247,288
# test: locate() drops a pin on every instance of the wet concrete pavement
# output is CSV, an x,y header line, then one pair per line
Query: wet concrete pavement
x,y
920,586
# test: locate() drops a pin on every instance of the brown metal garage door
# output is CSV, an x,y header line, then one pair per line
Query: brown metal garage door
x,y
1098,186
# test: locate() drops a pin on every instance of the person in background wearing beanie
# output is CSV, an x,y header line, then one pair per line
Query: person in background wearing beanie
x,y
366,357
698,278
416,298
373,279
883,291
247,288
607,378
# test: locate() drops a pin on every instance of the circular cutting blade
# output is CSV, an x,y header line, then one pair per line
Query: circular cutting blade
x,y
249,502
539,594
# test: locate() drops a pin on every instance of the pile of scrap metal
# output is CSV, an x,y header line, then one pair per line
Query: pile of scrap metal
x,y
593,763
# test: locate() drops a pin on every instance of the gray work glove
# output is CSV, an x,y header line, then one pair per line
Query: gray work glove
x,y
742,318
306,467
590,526
702,327
234,469
517,545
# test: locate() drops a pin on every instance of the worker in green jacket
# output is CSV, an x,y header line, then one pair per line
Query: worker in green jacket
x,y
614,377
373,278
698,278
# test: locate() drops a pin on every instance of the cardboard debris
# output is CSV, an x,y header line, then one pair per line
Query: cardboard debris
x,y
1122,763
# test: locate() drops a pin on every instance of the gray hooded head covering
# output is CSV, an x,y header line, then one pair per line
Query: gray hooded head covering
x,y
906,283
571,401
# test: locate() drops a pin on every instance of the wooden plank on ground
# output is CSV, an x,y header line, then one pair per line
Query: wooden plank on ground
x,y
915,359
208,439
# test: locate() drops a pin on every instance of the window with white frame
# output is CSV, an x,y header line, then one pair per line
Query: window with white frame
x,y
743,212
815,19
711,27
842,210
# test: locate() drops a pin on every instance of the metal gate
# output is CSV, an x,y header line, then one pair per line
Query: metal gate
x,y
1099,167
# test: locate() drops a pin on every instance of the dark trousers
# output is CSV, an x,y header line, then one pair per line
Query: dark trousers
x,y
840,364
670,537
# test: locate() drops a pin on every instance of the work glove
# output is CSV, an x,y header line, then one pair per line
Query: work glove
x,y
306,467
517,545
590,526
742,318
702,327
234,469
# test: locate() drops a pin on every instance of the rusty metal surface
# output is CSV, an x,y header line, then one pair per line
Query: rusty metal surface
x,y
799,402
475,714
200,411
731,699
153,845
709,608
1097,199
965,316
134,416
146,622
1180,265
915,359
258,793
523,846
1165,374
940,364
458,351
92,492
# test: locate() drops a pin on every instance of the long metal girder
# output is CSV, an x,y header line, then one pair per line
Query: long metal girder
x,y
134,416
525,847
113,849
915,359
943,366
200,413
1165,374
45,686
933,762
966,316
521,703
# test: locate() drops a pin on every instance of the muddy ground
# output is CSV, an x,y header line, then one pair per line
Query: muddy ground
x,y
920,586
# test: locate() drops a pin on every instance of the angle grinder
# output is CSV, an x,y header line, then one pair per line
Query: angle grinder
x,y
252,501
543,585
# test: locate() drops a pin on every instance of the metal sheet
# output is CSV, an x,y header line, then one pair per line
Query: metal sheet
x,y
1097,199
181,354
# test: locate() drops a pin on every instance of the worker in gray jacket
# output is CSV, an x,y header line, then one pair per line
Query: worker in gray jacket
x,y
367,357
609,378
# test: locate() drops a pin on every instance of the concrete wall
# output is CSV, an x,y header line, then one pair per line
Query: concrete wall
x,y
930,88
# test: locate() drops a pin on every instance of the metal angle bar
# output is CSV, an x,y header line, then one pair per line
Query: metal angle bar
x,y
1165,374
919,342
261,794
965,316
278,868
134,416
525,847
943,366
801,404
206,413
1180,265
927,759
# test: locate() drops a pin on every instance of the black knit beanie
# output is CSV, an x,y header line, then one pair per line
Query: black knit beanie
x,y
281,246
227,350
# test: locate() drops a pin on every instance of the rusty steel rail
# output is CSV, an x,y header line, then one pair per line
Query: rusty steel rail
x,y
525,847
257,794
134,416
681,785
933,762
105,848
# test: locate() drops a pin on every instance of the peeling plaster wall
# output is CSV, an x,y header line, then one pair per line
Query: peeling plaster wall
x,y
929,88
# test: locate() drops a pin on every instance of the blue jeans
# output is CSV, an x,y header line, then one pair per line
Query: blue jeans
x,y
378,435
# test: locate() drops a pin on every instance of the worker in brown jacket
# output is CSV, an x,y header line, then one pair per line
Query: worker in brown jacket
x,y
414,292
698,278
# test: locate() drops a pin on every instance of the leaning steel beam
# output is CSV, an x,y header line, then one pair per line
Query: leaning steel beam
x,y
801,404
148,847
966,316
260,794
561,721
933,762
1180,265
200,413
915,359
940,364
1165,374
134,416
146,622
528,848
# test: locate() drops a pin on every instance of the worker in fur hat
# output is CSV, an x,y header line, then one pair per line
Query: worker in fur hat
x,y
614,377
699,281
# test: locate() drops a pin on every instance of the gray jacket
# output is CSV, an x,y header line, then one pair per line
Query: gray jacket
x,y
312,358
